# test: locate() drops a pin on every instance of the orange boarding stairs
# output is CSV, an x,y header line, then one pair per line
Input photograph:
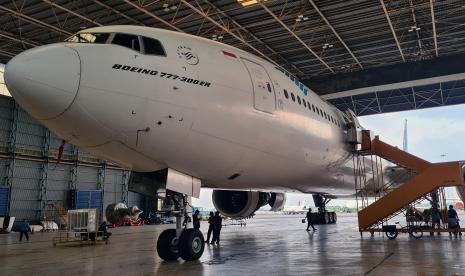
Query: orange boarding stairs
x,y
429,177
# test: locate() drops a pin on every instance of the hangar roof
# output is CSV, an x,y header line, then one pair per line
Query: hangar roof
x,y
310,38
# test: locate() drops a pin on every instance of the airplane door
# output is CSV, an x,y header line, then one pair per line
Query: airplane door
x,y
264,96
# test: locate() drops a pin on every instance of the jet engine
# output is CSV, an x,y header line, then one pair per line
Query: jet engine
x,y
239,204
277,201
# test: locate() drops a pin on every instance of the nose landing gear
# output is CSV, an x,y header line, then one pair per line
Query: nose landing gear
x,y
188,244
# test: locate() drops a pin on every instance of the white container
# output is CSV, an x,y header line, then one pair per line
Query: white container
x,y
10,225
83,220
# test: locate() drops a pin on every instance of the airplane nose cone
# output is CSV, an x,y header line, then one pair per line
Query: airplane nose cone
x,y
44,80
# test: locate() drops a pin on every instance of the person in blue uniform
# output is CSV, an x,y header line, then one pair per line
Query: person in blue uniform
x,y
24,228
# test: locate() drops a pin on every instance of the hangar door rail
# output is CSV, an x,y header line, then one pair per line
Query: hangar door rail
x,y
389,200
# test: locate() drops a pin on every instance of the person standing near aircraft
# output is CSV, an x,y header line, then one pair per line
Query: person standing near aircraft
x,y
196,220
453,219
436,217
310,220
210,227
24,228
217,225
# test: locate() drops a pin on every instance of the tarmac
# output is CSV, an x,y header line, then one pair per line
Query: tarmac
x,y
268,245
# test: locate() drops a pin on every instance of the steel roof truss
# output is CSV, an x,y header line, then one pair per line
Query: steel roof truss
x,y
295,35
392,29
335,33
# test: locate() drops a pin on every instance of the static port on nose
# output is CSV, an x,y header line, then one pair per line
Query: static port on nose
x,y
44,80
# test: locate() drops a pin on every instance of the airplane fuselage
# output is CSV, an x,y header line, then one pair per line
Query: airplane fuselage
x,y
206,109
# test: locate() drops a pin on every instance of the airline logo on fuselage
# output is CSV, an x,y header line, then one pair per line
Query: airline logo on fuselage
x,y
188,55
156,73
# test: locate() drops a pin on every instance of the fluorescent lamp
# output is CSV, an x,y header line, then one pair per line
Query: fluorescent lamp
x,y
246,3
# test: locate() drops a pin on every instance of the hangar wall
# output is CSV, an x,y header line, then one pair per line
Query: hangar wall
x,y
39,187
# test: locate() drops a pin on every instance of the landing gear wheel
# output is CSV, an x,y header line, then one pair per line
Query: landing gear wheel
x,y
334,217
391,235
167,245
327,218
191,244
416,232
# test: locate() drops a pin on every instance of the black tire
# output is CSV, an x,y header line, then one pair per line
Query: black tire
x,y
334,217
167,245
391,235
416,232
327,218
191,244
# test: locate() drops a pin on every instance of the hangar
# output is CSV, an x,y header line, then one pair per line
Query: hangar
x,y
369,56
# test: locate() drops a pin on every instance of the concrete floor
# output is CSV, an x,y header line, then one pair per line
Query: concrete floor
x,y
268,245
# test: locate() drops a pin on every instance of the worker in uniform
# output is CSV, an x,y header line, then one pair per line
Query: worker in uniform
x,y
196,220
210,227
453,219
24,228
217,225
310,220
436,218
103,228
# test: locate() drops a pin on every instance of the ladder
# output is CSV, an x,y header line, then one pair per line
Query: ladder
x,y
427,178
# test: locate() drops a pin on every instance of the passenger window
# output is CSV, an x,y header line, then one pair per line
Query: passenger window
x,y
298,99
293,97
153,47
304,102
313,107
286,94
128,41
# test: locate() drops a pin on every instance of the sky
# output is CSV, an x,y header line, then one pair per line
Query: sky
x,y
434,134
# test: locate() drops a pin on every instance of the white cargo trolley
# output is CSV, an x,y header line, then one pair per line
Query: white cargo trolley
x,y
82,228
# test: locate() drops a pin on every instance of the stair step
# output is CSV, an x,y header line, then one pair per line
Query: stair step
x,y
429,177
432,178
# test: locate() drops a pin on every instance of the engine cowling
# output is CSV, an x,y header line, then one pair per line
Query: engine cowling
x,y
277,201
239,204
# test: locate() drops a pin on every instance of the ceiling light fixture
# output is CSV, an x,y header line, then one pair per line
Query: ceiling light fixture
x,y
301,18
246,3
327,45
414,28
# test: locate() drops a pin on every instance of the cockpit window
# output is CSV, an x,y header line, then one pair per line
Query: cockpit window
x,y
153,47
126,40
99,38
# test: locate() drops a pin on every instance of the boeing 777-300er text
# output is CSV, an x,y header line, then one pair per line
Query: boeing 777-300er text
x,y
183,112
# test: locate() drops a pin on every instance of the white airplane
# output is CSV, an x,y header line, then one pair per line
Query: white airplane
x,y
183,112
300,208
